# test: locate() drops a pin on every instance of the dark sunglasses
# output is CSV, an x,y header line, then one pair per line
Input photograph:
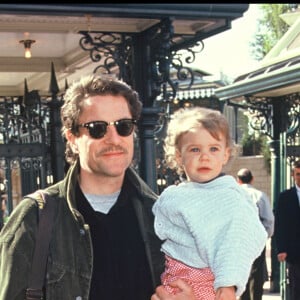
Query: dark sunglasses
x,y
98,129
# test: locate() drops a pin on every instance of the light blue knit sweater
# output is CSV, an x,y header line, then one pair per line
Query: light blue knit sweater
x,y
212,224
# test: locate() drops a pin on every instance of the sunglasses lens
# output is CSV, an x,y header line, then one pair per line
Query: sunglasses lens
x,y
125,127
97,130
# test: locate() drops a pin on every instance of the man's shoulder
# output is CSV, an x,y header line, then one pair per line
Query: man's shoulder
x,y
140,185
252,190
41,197
37,196
288,191
258,196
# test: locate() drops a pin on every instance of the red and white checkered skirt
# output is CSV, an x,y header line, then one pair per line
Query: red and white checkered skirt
x,y
201,280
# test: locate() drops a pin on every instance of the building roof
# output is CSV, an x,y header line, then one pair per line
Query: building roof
x,y
56,28
277,74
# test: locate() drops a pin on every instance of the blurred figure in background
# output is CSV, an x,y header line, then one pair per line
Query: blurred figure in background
x,y
287,231
259,273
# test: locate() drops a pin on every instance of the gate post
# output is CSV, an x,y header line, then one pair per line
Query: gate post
x,y
148,124
275,189
57,144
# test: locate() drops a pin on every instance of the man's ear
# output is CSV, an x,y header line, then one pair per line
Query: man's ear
x,y
71,138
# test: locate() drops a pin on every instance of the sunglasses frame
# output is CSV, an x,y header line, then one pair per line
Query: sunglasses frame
x,y
91,125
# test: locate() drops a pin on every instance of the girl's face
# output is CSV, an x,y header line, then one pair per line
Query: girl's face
x,y
201,155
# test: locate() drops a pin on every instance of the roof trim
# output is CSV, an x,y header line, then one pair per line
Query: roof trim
x,y
231,11
263,83
278,75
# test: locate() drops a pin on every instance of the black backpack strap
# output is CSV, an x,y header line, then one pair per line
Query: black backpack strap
x,y
39,263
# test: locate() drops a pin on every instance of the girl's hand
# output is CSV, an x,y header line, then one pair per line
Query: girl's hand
x,y
186,292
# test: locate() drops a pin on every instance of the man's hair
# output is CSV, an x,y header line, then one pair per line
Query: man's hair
x,y
244,175
184,120
296,164
90,86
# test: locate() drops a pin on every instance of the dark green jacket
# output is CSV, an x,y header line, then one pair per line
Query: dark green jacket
x,y
70,261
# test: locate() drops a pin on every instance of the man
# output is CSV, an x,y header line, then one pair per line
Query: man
x,y
287,231
254,287
103,244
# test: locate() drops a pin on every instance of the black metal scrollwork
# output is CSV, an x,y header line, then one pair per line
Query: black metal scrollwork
x,y
112,50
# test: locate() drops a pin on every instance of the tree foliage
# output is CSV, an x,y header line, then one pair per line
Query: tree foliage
x,y
270,28
256,144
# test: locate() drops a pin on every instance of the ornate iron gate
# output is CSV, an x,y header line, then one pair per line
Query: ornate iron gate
x,y
30,141
290,151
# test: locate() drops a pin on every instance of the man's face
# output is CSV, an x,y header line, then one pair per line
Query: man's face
x,y
110,155
296,175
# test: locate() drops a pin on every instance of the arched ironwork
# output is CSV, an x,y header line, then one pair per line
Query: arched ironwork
x,y
169,55
110,50
161,59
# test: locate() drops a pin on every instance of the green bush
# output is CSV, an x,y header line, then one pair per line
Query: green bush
x,y
257,145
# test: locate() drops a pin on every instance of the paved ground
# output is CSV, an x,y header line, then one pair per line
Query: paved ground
x,y
270,296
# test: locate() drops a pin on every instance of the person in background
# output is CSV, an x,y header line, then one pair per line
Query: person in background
x,y
255,285
103,243
287,231
209,226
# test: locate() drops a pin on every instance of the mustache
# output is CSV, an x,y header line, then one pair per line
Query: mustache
x,y
112,149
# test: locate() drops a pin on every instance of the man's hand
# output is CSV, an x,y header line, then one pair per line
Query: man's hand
x,y
186,292
226,293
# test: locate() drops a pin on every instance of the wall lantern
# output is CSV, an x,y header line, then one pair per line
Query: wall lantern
x,y
27,46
